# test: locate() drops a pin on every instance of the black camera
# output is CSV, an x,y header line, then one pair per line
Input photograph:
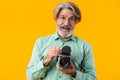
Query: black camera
x,y
65,58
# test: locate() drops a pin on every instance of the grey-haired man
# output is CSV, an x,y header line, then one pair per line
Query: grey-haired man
x,y
43,64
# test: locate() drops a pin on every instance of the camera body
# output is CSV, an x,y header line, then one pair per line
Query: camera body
x,y
65,58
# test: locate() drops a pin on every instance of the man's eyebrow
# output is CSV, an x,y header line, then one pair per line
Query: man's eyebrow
x,y
61,15
70,16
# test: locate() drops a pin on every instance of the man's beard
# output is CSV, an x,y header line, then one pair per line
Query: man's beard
x,y
65,34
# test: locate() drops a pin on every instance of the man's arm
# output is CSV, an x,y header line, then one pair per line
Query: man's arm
x,y
88,67
36,68
38,65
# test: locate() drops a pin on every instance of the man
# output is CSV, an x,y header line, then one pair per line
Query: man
x,y
43,64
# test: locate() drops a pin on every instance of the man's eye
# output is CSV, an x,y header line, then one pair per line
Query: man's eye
x,y
62,18
72,18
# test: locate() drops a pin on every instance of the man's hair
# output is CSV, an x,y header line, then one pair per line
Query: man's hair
x,y
70,6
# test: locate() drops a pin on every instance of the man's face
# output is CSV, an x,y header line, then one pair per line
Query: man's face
x,y
65,23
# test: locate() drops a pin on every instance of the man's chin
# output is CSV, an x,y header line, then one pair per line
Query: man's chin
x,y
65,34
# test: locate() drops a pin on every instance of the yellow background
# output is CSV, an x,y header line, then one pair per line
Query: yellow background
x,y
23,21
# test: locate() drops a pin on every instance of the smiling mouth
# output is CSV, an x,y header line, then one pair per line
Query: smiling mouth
x,y
66,29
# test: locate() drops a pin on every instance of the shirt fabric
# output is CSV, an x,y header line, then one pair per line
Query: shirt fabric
x,y
81,56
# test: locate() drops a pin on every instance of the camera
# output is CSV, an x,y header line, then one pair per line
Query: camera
x,y
65,57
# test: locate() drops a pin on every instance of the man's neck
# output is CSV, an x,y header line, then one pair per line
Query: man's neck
x,y
64,38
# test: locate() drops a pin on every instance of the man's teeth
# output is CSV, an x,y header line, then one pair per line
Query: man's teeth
x,y
65,28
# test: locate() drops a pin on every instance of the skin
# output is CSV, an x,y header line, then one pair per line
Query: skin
x,y
65,23
65,27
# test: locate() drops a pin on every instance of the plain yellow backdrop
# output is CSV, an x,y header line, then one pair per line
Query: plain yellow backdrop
x,y
23,21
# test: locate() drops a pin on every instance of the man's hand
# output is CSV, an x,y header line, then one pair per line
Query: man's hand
x,y
71,70
52,52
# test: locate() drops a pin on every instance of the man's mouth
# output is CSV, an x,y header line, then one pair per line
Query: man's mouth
x,y
66,29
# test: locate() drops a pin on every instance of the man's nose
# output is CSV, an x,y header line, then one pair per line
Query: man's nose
x,y
67,22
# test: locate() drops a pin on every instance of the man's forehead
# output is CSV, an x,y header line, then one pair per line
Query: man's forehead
x,y
66,15
67,12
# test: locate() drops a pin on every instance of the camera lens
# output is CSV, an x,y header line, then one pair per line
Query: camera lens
x,y
64,61
64,58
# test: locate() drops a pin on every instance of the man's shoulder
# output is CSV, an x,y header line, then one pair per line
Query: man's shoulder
x,y
78,39
81,41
